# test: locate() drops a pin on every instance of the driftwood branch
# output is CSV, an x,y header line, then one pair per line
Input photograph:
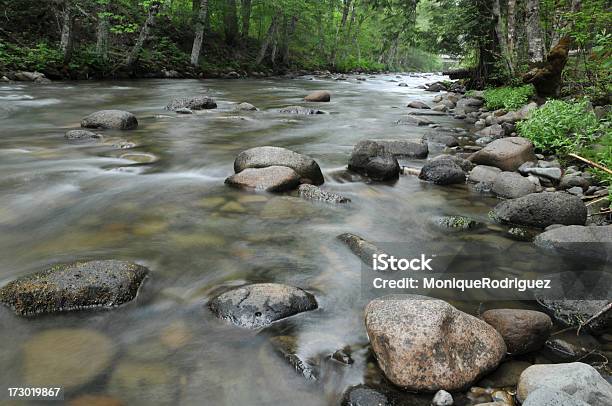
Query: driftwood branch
x,y
595,164
597,315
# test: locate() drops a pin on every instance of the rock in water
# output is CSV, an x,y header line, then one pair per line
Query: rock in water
x,y
270,179
580,380
68,357
246,107
418,105
506,153
152,383
552,397
262,157
511,185
483,173
261,304
405,148
362,248
523,330
542,210
82,136
372,160
79,285
443,170
361,395
111,120
425,344
192,103
592,242
305,111
318,96
315,193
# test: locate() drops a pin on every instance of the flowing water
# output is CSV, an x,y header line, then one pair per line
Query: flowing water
x,y
61,201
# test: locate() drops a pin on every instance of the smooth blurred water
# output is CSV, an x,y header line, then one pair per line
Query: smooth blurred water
x,y
60,202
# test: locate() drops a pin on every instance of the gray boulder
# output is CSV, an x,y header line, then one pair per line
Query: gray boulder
x,y
444,139
261,304
262,157
246,107
577,379
316,193
415,104
506,153
82,136
405,148
493,132
299,110
511,185
552,397
483,173
588,242
571,180
269,179
425,344
192,103
414,120
111,120
372,160
553,174
318,96
542,210
74,286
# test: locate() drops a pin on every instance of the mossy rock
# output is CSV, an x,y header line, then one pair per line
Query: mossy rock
x,y
459,223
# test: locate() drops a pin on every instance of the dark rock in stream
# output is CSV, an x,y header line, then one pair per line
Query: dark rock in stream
x,y
305,111
574,312
316,193
523,330
416,104
111,120
82,136
372,160
383,395
444,139
542,210
590,242
262,157
261,304
457,223
404,148
192,103
360,247
79,285
443,170
269,179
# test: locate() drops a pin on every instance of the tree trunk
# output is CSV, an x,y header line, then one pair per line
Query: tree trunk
x,y
345,11
199,32
501,38
511,31
246,19
102,34
66,35
534,32
289,31
230,20
144,34
268,39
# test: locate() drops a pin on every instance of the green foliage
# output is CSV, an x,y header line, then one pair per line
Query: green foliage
x,y
560,126
509,98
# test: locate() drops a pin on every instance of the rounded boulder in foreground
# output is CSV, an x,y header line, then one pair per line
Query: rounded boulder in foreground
x,y
261,304
318,96
425,344
75,286
262,157
110,120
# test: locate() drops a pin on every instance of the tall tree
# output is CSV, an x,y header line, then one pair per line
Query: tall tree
x,y
66,37
230,21
246,19
511,33
199,32
346,5
268,39
103,30
534,32
132,57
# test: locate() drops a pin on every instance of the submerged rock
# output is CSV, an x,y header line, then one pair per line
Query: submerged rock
x,y
362,395
318,96
315,193
362,248
542,210
82,136
372,160
287,347
246,107
261,304
269,179
523,330
262,157
111,120
580,380
425,344
144,383
506,153
79,285
575,312
66,357
191,103
300,110
443,139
